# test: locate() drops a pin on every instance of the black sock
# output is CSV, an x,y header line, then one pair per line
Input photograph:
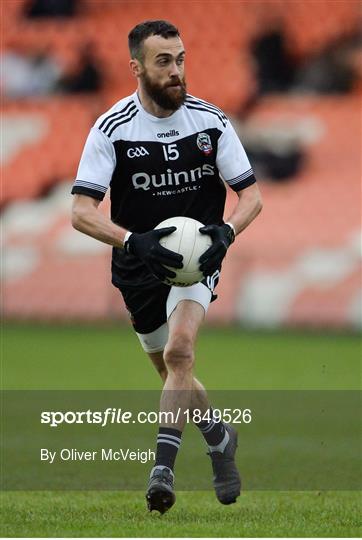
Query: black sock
x,y
213,430
168,443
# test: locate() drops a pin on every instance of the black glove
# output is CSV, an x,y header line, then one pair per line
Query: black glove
x,y
146,246
222,236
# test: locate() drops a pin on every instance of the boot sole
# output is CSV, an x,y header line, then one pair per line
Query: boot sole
x,y
160,500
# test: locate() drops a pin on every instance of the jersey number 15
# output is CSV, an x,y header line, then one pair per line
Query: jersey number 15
x,y
170,152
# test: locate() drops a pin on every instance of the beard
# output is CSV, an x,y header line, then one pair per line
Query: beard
x,y
169,97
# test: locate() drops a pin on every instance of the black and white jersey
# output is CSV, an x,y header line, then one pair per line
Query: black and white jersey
x,y
157,168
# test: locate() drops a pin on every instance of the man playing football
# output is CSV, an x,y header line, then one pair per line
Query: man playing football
x,y
165,153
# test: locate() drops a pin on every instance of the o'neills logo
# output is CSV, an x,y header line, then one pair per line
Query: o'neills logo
x,y
171,133
145,181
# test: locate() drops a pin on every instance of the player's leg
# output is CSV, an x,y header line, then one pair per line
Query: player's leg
x,y
199,400
159,364
148,314
221,448
179,359
186,310
211,428
175,400
185,318
215,433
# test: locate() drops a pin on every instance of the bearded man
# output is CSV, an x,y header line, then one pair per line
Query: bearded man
x,y
164,153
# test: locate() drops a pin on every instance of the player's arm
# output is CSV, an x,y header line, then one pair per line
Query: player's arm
x,y
247,208
87,219
235,168
92,181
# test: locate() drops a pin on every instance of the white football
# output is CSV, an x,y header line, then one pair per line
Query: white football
x,y
190,243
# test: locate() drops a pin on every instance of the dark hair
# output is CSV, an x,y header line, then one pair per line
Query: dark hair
x,y
145,29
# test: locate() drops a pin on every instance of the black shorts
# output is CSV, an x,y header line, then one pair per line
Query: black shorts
x,y
147,306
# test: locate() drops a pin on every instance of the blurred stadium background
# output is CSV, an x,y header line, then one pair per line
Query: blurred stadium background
x,y
289,75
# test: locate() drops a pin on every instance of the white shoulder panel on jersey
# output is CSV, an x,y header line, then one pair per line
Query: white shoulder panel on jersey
x,y
232,161
121,113
96,165
128,120
207,110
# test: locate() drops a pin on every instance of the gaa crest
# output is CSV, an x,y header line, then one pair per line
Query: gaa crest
x,y
204,143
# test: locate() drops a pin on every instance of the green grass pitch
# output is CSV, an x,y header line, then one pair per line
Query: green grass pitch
x,y
109,357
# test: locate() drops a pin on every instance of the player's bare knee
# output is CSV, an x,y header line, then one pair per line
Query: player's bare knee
x,y
178,360
178,354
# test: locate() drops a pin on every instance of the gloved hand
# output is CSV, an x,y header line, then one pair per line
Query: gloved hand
x,y
146,246
222,236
